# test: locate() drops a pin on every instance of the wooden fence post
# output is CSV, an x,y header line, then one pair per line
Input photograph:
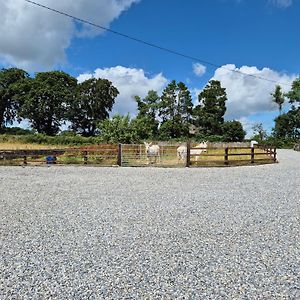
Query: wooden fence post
x,y
226,156
252,155
119,163
85,157
140,146
188,154
25,160
275,155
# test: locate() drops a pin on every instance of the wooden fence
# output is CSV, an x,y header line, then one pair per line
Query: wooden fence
x,y
135,155
227,156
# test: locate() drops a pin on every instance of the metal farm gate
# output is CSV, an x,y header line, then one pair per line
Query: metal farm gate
x,y
135,155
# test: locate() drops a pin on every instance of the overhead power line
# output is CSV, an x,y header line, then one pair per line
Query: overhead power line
x,y
195,59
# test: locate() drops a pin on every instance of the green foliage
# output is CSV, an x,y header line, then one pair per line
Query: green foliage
x,y
294,93
278,97
259,133
15,131
93,100
58,140
44,100
146,124
145,127
287,126
8,105
119,129
168,130
209,114
233,131
149,105
175,110
279,142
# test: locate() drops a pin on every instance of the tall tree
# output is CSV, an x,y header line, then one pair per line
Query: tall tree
x,y
233,131
278,97
146,123
287,126
94,99
209,114
168,102
175,110
294,93
8,104
259,133
44,100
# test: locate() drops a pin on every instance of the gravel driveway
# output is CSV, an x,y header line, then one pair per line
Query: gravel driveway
x,y
151,233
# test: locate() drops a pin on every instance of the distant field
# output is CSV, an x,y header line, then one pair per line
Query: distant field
x,y
25,146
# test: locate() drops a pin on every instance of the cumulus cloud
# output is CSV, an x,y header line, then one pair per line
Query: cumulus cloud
x,y
130,82
199,70
249,95
282,3
34,38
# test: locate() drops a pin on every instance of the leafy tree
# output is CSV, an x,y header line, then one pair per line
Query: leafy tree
x,y
233,131
287,126
44,100
145,127
119,129
149,105
8,103
278,97
294,94
94,99
167,106
259,133
209,114
175,110
146,123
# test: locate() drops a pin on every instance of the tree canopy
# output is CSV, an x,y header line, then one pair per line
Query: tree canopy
x,y
146,122
294,93
8,104
233,131
209,114
92,102
119,129
175,110
44,100
287,126
278,97
49,100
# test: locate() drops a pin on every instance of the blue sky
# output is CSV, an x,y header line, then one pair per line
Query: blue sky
x,y
252,36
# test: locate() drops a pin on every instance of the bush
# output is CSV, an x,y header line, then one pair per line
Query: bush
x,y
15,131
50,140
279,143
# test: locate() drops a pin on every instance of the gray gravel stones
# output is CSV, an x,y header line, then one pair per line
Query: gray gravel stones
x,y
151,233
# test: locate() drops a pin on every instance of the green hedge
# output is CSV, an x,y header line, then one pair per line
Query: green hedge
x,y
50,140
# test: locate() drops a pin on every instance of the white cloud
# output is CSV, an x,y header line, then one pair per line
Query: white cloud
x,y
199,69
130,82
282,3
248,126
34,38
249,95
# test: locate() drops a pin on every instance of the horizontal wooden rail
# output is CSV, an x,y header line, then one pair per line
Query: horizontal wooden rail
x,y
136,155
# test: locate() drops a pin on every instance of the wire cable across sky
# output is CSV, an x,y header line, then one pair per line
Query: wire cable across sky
x,y
193,58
